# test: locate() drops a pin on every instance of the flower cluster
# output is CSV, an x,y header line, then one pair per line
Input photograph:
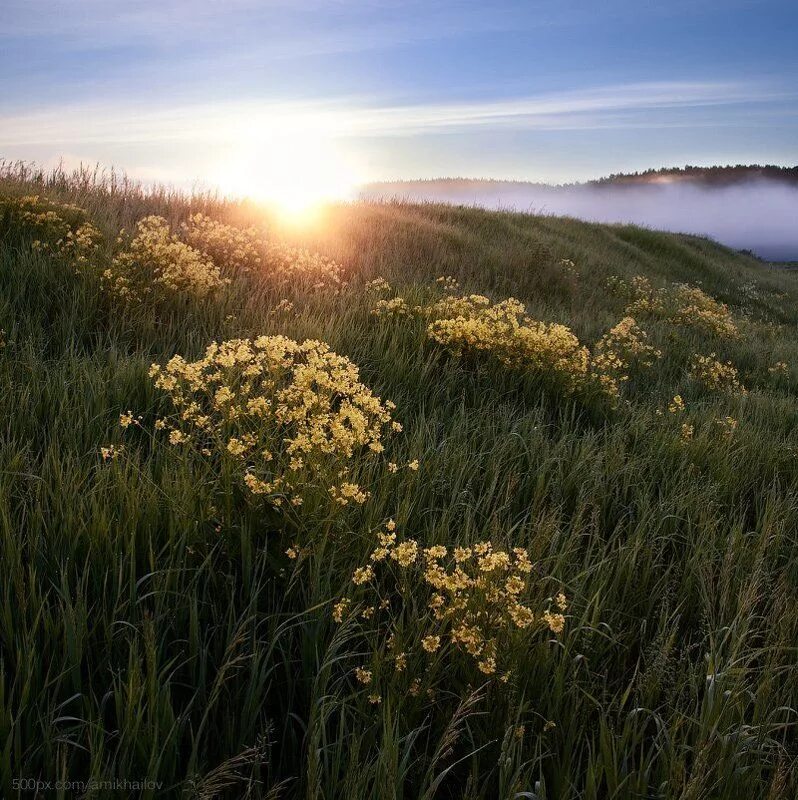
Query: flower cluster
x,y
678,304
49,221
476,600
155,262
80,246
296,267
470,306
245,250
395,307
715,375
36,211
378,286
621,348
473,323
228,246
625,343
288,416
111,452
61,229
694,308
47,224
639,294
676,406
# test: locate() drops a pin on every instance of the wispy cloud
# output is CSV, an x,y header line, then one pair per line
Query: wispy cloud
x,y
601,107
273,29
561,109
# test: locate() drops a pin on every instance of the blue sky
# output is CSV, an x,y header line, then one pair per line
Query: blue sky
x,y
186,90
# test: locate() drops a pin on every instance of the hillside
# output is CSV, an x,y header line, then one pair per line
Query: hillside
x,y
569,570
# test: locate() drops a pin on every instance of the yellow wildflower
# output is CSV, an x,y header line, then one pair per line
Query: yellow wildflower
x,y
340,609
676,406
362,575
363,675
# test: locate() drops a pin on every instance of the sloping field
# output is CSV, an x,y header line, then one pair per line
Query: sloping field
x,y
563,565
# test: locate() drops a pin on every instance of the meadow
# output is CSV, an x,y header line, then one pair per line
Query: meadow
x,y
412,501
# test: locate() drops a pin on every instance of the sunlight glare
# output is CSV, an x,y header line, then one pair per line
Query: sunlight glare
x,y
293,171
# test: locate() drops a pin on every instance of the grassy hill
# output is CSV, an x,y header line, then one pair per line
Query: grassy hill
x,y
167,618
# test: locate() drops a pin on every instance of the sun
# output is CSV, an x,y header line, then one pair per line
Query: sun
x,y
292,171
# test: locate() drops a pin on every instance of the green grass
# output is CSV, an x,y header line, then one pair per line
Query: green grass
x,y
143,634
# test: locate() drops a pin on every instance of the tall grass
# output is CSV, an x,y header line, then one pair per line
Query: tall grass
x,y
146,633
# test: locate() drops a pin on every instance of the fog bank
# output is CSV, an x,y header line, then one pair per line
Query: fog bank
x,y
756,215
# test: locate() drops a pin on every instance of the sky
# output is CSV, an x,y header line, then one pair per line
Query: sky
x,y
236,93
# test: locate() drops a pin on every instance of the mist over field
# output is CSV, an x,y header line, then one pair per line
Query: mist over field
x,y
758,215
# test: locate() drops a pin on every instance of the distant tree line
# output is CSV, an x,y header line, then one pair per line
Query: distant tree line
x,y
706,175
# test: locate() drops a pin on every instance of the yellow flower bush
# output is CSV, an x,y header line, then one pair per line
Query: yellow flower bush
x,y
288,416
378,286
39,216
395,307
469,306
626,343
678,304
476,601
244,249
696,309
715,375
300,268
641,296
156,263
52,223
61,229
80,246
622,347
226,245
473,323
33,210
